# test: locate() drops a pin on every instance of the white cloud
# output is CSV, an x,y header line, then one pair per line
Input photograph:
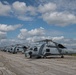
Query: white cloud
x,y
35,38
5,2
32,10
69,5
24,33
19,7
2,35
24,18
4,9
58,38
47,7
5,28
57,12
49,10
59,18
22,8
23,12
9,42
39,31
40,34
54,33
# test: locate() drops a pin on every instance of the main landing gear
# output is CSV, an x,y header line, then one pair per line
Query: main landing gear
x,y
62,56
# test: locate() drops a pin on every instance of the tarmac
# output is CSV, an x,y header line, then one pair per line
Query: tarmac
x,y
18,64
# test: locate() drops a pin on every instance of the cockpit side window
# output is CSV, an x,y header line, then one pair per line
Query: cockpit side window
x,y
17,49
35,49
61,46
47,50
11,48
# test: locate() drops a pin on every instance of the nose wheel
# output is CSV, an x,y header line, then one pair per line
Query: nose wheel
x,y
62,56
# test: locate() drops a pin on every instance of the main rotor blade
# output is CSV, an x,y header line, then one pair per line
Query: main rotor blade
x,y
45,40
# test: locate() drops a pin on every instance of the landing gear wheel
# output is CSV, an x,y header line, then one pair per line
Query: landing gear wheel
x,y
38,57
30,53
44,56
13,52
62,56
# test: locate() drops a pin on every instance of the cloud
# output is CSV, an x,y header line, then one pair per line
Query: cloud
x,y
5,2
35,38
32,10
67,42
23,12
68,5
59,13
47,7
37,34
59,18
8,42
24,33
5,28
58,38
24,18
39,31
4,9
2,35
19,7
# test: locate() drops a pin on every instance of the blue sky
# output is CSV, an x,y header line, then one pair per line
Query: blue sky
x,y
31,20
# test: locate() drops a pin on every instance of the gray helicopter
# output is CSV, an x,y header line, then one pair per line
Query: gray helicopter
x,y
48,49
17,48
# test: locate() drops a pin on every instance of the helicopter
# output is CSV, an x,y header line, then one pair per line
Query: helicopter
x,y
17,48
47,49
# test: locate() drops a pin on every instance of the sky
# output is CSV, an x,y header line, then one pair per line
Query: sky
x,y
24,21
